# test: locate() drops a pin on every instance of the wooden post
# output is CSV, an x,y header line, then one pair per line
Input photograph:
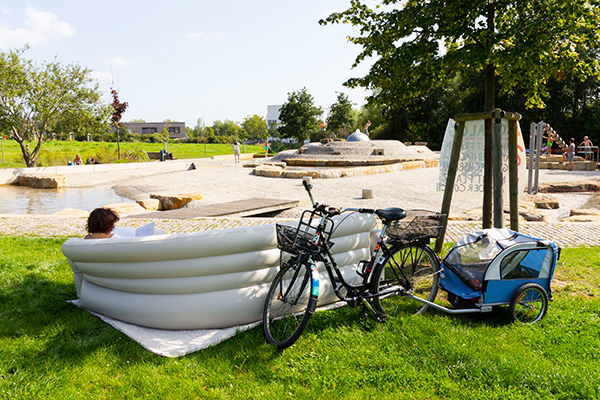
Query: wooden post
x,y
450,178
497,169
513,171
487,176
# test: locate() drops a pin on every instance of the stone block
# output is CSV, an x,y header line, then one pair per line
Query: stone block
x,y
543,201
582,211
125,207
42,181
149,204
582,218
175,201
73,212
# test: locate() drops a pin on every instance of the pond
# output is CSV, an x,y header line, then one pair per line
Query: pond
x,y
26,200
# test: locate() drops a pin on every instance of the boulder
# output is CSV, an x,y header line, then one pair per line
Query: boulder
x,y
272,171
173,202
582,218
149,204
73,212
579,186
125,207
581,211
42,181
543,201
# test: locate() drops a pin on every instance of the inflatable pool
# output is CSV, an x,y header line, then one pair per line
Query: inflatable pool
x,y
200,280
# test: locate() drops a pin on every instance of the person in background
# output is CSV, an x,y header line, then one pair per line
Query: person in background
x,y
77,160
367,125
267,147
570,153
587,147
236,151
100,223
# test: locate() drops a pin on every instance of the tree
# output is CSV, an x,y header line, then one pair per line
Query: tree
x,y
227,128
341,118
37,100
255,127
118,110
298,116
422,45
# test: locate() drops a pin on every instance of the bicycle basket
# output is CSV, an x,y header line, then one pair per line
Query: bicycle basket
x,y
291,239
417,226
296,239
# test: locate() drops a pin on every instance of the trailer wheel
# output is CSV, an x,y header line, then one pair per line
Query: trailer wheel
x,y
529,304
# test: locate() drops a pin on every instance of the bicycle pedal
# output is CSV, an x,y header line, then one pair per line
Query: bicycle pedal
x,y
380,317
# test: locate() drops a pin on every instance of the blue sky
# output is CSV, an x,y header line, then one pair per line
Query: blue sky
x,y
181,60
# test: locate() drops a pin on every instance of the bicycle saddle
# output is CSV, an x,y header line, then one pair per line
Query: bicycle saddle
x,y
391,213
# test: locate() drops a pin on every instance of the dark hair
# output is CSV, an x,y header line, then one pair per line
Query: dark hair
x,y
572,140
101,220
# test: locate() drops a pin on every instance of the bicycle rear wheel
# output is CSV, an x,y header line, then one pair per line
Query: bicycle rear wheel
x,y
291,301
412,269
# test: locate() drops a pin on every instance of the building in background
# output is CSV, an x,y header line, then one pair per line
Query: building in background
x,y
176,129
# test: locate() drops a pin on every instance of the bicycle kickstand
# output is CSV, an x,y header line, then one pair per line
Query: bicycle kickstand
x,y
380,317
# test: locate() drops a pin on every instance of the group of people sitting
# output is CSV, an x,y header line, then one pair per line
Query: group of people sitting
x,y
79,161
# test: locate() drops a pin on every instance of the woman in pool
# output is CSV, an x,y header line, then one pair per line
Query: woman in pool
x,y
100,223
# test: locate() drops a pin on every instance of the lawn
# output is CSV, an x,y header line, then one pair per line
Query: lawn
x,y
51,349
61,152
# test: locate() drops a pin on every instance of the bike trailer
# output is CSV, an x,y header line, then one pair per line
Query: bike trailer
x,y
486,267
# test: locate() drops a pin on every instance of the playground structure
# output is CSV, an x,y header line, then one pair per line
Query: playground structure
x,y
540,134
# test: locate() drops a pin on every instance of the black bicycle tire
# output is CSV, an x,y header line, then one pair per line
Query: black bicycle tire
x,y
517,297
376,281
299,317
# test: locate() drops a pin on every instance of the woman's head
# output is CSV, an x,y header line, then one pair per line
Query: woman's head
x,y
102,220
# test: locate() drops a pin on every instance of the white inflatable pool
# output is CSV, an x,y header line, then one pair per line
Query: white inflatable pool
x,y
200,280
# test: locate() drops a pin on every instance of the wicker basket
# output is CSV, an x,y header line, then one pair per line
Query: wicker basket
x,y
419,225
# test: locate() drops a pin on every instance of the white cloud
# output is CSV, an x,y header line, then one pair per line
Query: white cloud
x,y
40,26
4,10
118,61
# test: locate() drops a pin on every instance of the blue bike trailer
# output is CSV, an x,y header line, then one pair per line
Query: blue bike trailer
x,y
486,267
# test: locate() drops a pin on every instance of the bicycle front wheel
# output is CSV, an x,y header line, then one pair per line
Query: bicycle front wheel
x,y
291,301
413,269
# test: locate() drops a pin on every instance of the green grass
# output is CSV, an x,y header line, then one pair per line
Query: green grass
x,y
51,349
61,152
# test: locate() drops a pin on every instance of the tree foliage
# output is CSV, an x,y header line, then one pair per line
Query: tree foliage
x,y
255,127
299,116
39,100
227,128
341,118
423,45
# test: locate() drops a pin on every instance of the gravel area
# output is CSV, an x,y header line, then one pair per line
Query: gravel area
x,y
222,180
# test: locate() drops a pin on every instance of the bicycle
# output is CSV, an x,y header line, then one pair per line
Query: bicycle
x,y
402,266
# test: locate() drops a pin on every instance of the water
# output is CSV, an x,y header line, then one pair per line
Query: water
x,y
26,200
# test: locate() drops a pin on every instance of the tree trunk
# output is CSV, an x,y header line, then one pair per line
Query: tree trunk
x,y
490,88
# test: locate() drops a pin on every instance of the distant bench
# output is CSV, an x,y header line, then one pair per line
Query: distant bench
x,y
156,155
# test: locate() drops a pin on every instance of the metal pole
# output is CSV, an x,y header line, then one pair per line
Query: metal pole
x,y
538,144
532,133
497,159
450,179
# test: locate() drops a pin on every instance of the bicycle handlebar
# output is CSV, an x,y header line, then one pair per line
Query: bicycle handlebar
x,y
332,210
